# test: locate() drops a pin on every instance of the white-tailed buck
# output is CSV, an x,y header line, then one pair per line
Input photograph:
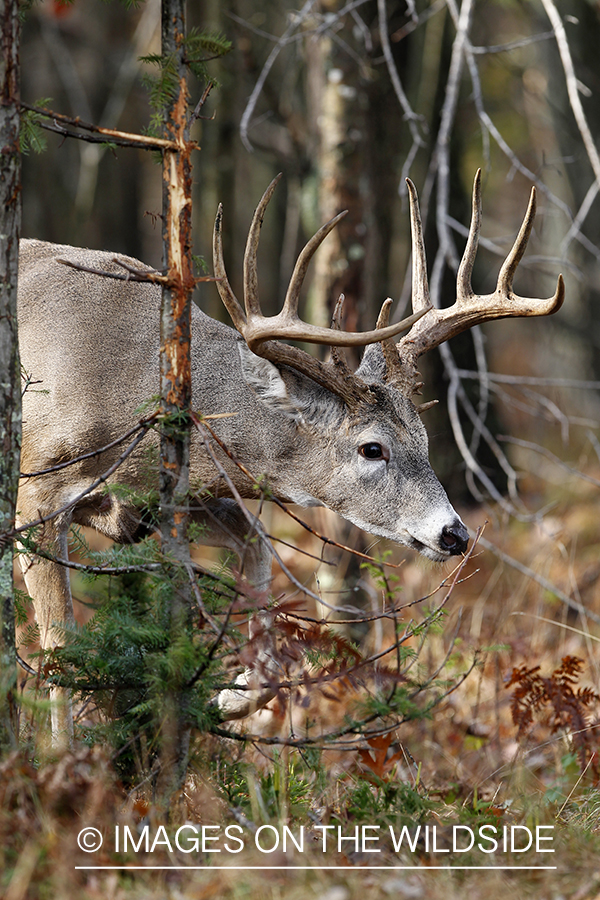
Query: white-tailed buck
x,y
320,433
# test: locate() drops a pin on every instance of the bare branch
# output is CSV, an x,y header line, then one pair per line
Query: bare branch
x,y
572,86
295,23
148,276
573,383
543,451
543,582
102,479
513,45
107,135
255,526
142,424
411,117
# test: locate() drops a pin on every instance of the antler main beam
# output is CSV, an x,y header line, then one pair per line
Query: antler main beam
x,y
469,309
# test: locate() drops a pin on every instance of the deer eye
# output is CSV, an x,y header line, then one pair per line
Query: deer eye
x,y
372,450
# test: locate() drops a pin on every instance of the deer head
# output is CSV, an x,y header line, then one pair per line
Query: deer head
x,y
390,462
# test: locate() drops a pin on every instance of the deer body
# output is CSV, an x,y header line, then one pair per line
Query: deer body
x,y
321,434
92,344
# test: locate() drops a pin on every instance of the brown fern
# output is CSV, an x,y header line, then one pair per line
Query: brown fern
x,y
568,705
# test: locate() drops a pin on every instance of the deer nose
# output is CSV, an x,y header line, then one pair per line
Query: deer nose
x,y
455,538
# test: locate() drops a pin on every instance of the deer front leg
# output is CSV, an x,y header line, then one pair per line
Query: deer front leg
x,y
227,526
254,691
49,587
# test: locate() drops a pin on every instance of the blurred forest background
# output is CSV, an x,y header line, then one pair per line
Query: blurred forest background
x,y
347,99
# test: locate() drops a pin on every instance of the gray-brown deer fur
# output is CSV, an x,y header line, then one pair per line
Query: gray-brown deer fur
x,y
92,343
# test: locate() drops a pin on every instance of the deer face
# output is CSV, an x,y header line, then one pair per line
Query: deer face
x,y
369,463
385,485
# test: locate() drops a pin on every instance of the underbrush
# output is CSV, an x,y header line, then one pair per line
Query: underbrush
x,y
447,711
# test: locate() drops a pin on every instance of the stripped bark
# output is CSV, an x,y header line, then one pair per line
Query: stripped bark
x,y
176,385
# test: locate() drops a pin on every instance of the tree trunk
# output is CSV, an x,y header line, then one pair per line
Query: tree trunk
x,y
176,388
334,86
10,384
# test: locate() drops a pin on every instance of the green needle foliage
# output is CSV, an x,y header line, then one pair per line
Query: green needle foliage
x,y
120,664
32,137
201,47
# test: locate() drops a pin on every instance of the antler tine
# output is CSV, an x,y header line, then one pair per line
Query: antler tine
x,y
509,267
336,318
337,357
261,329
525,306
258,329
251,301
383,318
230,301
290,306
420,285
393,366
464,288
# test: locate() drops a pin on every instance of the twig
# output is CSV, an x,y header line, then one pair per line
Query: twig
x,y
572,89
149,276
489,126
9,535
265,34
411,117
414,23
529,379
143,423
108,135
543,582
329,677
339,15
574,230
543,451
253,522
196,113
254,480
513,45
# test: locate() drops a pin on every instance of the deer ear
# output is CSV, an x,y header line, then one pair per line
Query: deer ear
x,y
265,380
297,397
372,365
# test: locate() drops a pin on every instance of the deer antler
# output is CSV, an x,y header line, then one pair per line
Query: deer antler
x,y
259,331
470,309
